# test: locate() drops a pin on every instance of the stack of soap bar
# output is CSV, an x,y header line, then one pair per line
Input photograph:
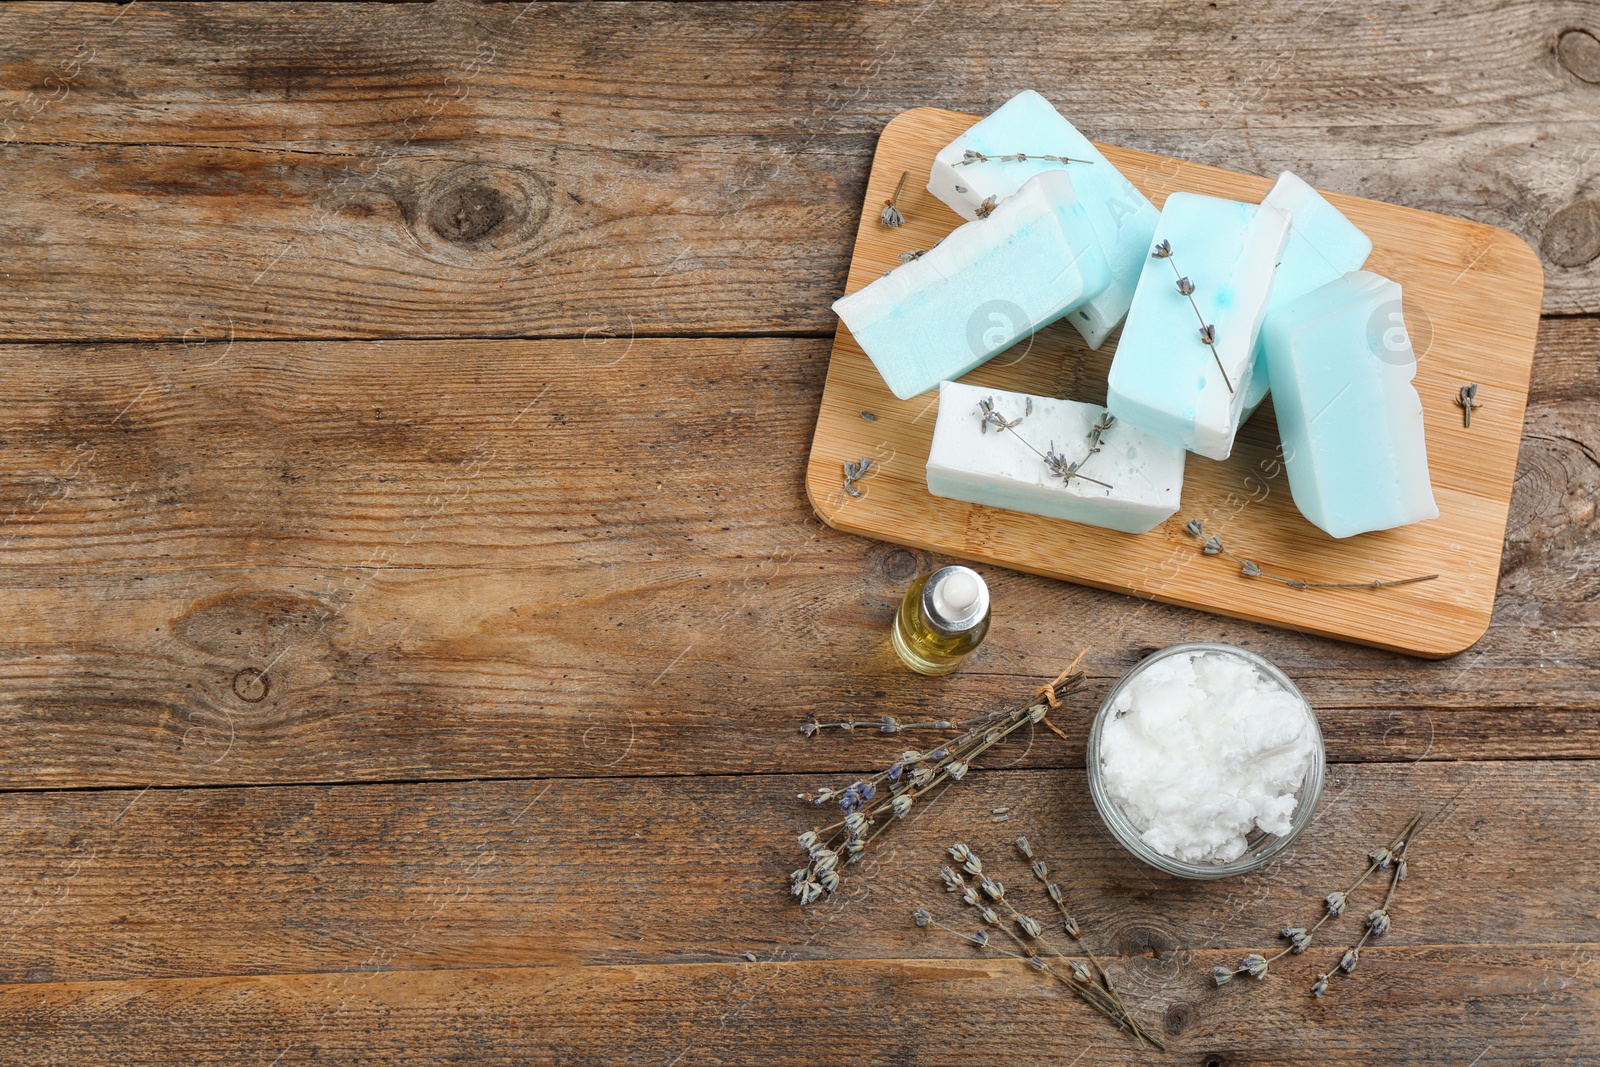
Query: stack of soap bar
x,y
1323,246
1350,419
1122,218
984,287
1164,378
1000,467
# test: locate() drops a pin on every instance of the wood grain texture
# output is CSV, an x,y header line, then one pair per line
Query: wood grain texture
x,y
1472,303
459,169
566,872
1510,1006
555,558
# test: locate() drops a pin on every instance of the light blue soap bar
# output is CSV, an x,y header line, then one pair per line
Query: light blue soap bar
x,y
1123,219
1350,419
1323,246
980,290
1164,377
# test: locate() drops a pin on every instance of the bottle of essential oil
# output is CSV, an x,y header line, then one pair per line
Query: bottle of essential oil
x,y
944,616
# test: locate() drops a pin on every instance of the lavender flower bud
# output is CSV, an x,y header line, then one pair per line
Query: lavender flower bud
x,y
1029,926
1335,905
1080,972
1038,963
1054,891
1040,870
993,889
953,882
1255,965
855,822
829,880
969,895
1024,847
808,840
922,917
981,938
973,865
959,853
900,806
866,790
1348,962
1319,987
957,770
990,917
1222,975
1378,923
1381,856
810,892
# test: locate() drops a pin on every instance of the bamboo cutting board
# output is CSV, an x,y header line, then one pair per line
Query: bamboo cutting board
x,y
1472,297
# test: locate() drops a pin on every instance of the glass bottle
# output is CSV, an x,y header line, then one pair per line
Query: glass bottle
x,y
943,618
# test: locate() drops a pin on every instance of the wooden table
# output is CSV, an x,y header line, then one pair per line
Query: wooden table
x,y
413,600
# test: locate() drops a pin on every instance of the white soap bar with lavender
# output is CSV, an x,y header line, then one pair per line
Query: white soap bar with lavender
x,y
984,287
1055,458
1185,360
981,166
1350,419
1323,246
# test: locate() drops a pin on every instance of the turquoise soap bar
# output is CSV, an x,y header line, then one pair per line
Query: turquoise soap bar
x,y
1123,219
1323,246
985,286
1164,377
1350,419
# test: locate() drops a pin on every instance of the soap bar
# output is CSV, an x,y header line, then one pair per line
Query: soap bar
x,y
1164,378
1132,483
1323,246
1350,419
1122,218
987,285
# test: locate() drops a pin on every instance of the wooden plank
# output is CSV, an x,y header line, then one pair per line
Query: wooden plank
x,y
1421,1006
555,558
1472,297
128,884
331,170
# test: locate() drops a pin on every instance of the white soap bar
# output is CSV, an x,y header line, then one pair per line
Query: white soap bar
x,y
1164,377
1350,419
1122,218
983,464
986,286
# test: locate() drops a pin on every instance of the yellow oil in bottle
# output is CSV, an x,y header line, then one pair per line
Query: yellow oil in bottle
x,y
937,628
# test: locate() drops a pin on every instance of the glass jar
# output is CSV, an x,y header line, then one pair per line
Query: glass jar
x,y
1262,847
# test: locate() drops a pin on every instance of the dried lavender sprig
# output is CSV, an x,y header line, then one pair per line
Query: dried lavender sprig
x,y
1378,921
1208,332
1213,546
853,473
1055,461
914,775
1041,871
890,215
970,157
885,724
1300,938
1075,978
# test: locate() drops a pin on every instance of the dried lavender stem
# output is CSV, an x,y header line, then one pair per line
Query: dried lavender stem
x,y
1214,547
1111,1007
1211,344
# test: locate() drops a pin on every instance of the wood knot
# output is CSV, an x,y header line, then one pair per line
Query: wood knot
x,y
1579,52
252,685
1572,236
479,213
1178,1018
901,564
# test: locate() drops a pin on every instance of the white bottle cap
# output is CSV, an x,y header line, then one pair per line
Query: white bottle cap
x,y
955,600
